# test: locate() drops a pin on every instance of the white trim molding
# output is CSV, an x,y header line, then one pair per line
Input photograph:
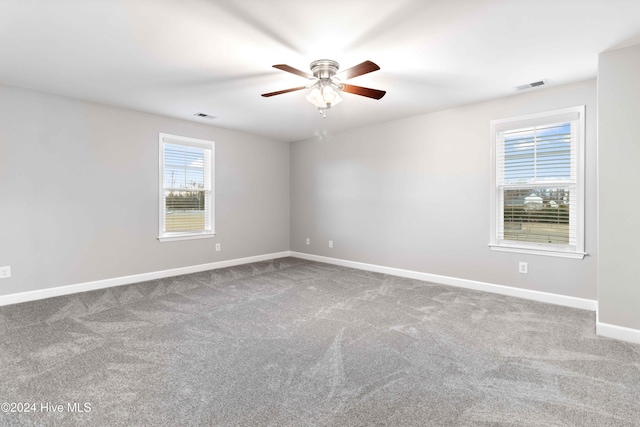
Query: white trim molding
x,y
618,332
574,183
528,251
208,190
126,280
567,301
187,237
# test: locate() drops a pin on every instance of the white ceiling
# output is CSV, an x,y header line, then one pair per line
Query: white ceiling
x,y
179,57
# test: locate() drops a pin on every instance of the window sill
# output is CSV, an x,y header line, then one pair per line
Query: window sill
x,y
536,251
171,238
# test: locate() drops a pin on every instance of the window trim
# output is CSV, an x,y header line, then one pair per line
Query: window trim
x,y
530,247
192,142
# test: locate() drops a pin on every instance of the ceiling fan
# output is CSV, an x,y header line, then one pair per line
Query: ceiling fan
x,y
326,83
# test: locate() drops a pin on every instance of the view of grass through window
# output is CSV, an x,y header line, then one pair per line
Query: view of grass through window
x,y
184,211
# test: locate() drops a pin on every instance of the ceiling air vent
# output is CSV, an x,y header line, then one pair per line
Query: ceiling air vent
x,y
532,85
205,116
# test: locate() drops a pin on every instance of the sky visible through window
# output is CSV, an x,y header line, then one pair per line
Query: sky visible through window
x,y
537,154
183,167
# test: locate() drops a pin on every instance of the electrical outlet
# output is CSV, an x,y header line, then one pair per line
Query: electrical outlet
x,y
308,241
523,268
5,272
330,243
217,247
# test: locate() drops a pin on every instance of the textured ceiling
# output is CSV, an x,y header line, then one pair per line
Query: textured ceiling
x,y
178,58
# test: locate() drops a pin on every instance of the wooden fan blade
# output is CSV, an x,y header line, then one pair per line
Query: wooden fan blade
x,y
358,70
288,69
363,91
280,92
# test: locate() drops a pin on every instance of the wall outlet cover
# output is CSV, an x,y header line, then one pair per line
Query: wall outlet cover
x,y
523,268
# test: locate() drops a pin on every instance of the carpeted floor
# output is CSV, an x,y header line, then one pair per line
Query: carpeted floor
x,y
297,343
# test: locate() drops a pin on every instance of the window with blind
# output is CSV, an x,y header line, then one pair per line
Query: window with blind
x,y
538,183
186,188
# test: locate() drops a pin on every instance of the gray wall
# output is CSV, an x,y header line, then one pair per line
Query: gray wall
x,y
619,176
79,193
409,194
414,194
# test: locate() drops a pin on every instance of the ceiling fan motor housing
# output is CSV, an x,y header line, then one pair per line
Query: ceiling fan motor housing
x,y
324,68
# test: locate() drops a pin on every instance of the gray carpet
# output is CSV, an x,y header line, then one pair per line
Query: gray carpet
x,y
297,343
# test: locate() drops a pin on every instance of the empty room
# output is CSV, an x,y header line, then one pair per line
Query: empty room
x,y
337,213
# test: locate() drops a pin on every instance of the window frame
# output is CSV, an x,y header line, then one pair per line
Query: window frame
x,y
539,119
188,142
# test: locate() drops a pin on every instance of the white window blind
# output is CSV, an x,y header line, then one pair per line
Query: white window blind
x,y
186,188
538,186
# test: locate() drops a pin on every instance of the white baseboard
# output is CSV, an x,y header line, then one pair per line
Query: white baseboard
x,y
567,301
618,332
126,280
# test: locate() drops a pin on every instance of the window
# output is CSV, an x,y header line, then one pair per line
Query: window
x,y
537,193
186,188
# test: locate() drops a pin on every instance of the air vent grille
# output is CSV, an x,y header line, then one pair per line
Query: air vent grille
x,y
205,116
532,85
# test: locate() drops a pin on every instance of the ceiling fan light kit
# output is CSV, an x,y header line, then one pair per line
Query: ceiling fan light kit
x,y
324,95
325,84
